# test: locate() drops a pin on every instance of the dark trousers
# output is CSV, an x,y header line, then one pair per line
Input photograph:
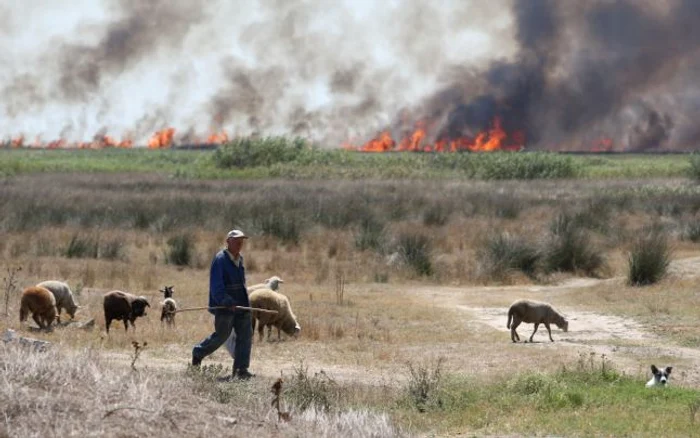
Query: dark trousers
x,y
238,321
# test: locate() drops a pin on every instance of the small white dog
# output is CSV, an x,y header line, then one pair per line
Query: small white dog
x,y
660,376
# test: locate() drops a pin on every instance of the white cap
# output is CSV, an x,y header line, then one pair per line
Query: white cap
x,y
236,234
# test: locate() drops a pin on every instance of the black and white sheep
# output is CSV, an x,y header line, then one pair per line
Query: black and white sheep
x,y
168,306
64,297
41,303
123,306
283,320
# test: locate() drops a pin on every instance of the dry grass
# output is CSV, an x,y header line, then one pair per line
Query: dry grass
x,y
81,393
385,317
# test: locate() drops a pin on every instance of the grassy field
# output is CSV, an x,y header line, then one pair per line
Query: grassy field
x,y
393,279
282,160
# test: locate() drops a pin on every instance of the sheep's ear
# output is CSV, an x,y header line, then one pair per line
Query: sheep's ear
x,y
668,370
654,370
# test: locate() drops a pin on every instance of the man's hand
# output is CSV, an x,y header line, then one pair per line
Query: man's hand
x,y
233,307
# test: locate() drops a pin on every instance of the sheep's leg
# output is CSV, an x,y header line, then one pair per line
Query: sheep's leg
x,y
513,334
537,324
546,324
58,315
38,320
269,332
279,335
107,323
261,330
126,324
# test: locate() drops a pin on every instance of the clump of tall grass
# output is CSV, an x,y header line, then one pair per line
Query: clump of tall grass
x,y
423,385
180,250
694,166
82,247
414,250
649,259
503,253
569,248
319,391
371,234
285,227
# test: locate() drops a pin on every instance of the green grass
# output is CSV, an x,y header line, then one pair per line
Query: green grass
x,y
293,159
587,399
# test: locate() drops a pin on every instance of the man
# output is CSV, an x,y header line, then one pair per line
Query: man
x,y
227,289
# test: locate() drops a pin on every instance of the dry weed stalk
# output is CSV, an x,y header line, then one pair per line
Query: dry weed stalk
x,y
277,400
137,352
10,286
340,287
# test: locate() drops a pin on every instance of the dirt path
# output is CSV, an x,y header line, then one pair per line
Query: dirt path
x,y
630,345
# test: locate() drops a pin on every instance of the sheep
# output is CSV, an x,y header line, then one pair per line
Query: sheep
x,y
64,297
123,306
168,306
41,303
536,313
272,283
284,319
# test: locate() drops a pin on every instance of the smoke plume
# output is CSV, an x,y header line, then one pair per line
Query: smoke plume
x,y
565,74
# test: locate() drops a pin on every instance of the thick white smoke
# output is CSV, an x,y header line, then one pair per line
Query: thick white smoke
x,y
325,69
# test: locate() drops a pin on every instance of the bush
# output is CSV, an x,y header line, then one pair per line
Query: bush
x,y
318,391
436,214
649,259
284,227
423,385
180,250
415,251
570,250
252,152
503,253
82,247
694,169
370,235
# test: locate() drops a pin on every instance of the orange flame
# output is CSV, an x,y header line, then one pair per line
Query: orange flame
x,y
495,138
161,139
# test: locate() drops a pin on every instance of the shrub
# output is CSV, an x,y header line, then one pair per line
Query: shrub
x,y
180,250
694,168
649,259
370,234
502,253
284,227
251,152
415,251
423,385
82,247
436,214
112,249
318,391
569,249
692,231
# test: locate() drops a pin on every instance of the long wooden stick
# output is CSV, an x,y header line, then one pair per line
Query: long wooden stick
x,y
223,307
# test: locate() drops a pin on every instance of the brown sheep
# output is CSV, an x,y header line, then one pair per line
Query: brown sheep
x,y
283,320
64,297
41,303
536,313
123,306
168,306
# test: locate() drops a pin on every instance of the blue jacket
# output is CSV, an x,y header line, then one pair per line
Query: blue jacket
x,y
226,284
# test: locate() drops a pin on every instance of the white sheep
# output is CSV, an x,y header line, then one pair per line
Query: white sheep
x,y
271,283
168,306
283,320
64,297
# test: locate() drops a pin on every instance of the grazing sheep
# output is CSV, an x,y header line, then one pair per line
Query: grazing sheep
x,y
272,283
168,306
41,303
284,319
536,313
123,306
64,297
